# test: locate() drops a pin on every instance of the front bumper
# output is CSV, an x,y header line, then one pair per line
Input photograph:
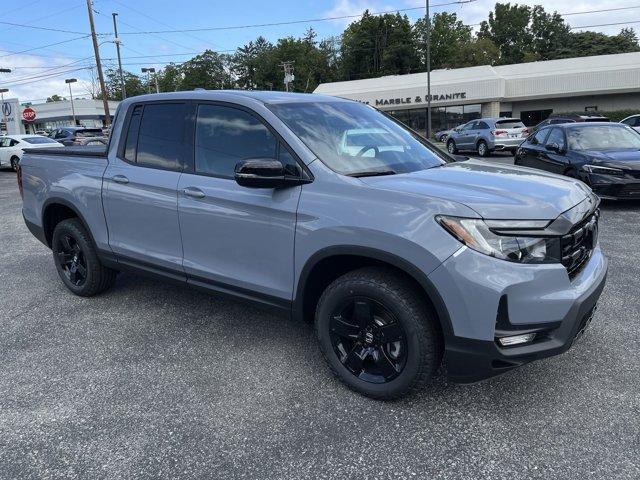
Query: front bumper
x,y
485,296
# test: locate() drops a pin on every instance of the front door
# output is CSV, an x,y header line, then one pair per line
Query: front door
x,y
234,237
141,182
467,136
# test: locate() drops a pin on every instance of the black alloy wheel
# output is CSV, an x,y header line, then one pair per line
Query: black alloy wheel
x,y
71,259
368,340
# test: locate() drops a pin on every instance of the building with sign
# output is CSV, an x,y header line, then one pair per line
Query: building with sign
x,y
48,116
530,91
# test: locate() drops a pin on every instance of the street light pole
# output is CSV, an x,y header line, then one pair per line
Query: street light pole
x,y
149,71
428,58
117,42
2,92
69,81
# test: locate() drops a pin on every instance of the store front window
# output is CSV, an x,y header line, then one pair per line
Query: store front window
x,y
442,118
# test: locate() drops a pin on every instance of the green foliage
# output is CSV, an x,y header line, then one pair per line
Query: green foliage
x,y
378,45
55,98
207,70
508,28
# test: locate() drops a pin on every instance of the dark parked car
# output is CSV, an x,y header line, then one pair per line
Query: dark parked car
x,y
69,136
555,119
606,156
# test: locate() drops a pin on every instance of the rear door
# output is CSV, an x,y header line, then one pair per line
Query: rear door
x,y
531,148
141,181
237,238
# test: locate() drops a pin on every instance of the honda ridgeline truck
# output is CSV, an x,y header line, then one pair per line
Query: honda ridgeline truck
x,y
330,211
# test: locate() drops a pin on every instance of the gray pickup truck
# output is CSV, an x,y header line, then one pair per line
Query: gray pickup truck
x,y
329,211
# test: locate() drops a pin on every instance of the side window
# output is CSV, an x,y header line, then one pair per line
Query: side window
x,y
556,136
131,142
225,136
629,121
60,134
13,143
161,136
4,142
483,126
540,135
288,161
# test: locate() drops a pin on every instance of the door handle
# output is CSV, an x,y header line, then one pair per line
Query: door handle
x,y
193,192
120,179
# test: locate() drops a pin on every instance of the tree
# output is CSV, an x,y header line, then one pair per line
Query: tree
x,y
55,98
550,33
170,78
508,28
250,65
378,45
584,44
448,35
209,70
479,51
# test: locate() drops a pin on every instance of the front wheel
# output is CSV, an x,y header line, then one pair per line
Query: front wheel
x,y
77,261
14,163
376,333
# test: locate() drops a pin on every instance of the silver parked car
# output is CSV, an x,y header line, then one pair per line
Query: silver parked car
x,y
488,134
633,121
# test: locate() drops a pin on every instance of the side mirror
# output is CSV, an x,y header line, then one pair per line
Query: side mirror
x,y
554,147
260,173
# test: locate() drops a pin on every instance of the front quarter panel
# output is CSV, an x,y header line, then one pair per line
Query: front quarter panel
x,y
341,212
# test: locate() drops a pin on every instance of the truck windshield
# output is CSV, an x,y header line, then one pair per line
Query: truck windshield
x,y
354,139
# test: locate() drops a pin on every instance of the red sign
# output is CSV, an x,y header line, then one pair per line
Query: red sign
x,y
29,114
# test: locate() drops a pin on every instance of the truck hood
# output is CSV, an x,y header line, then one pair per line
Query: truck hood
x,y
493,190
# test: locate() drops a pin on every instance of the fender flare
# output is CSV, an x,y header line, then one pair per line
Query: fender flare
x,y
375,254
70,206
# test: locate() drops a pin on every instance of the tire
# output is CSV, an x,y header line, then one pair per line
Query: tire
x,y
76,260
14,163
451,147
483,149
360,357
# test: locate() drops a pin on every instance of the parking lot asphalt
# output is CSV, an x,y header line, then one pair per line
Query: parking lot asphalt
x,y
156,381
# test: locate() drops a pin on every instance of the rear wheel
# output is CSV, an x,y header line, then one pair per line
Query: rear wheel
x,y
376,333
483,149
14,163
76,260
451,147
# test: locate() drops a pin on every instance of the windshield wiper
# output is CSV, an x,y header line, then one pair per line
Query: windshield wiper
x,y
371,173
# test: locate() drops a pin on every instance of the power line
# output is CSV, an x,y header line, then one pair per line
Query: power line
x,y
44,46
43,28
293,22
605,25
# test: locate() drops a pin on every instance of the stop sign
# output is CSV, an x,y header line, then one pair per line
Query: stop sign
x,y
29,114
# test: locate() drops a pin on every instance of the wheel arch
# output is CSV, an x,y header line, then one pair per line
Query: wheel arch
x,y
328,264
56,210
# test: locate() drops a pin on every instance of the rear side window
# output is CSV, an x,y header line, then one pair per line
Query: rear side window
x,y
483,126
226,136
538,138
160,136
132,135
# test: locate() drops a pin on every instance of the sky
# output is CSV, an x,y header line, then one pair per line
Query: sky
x,y
38,72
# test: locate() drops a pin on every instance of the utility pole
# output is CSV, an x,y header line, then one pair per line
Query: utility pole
x,y
117,42
103,88
288,74
428,17
69,81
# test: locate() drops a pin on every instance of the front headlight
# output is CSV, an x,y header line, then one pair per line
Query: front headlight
x,y
478,235
600,170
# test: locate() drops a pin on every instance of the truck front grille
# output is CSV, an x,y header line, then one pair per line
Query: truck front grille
x,y
579,243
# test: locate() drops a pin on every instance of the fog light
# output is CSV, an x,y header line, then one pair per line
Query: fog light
x,y
516,339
